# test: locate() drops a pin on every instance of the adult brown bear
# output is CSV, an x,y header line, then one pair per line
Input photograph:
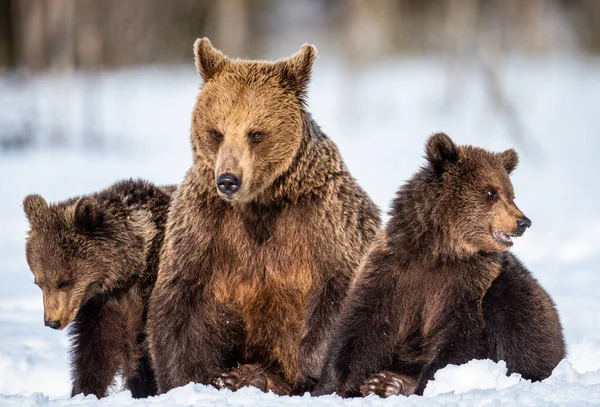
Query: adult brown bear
x,y
263,237
438,286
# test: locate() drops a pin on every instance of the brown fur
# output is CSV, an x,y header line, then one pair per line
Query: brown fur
x,y
96,260
256,277
438,286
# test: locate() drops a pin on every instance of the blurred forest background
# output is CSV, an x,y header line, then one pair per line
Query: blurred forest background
x,y
103,34
70,39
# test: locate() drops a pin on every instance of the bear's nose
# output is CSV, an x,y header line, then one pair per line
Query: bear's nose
x,y
228,183
52,324
523,223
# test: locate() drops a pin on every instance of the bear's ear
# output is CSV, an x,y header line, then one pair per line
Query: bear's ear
x,y
209,60
34,206
296,69
88,215
509,159
441,151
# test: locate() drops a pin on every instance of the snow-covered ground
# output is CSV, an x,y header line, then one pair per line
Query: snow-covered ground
x,y
379,117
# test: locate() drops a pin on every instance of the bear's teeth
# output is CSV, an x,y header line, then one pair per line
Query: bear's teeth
x,y
502,236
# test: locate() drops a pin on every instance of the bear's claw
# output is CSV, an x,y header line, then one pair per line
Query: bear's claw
x,y
385,384
251,375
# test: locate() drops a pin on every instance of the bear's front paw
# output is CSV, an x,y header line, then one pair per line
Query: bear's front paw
x,y
242,376
385,384
252,375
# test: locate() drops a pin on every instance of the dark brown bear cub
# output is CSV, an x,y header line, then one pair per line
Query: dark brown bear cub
x,y
96,260
263,237
438,286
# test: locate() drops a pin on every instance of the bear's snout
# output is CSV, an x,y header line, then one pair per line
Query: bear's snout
x,y
52,324
522,224
228,184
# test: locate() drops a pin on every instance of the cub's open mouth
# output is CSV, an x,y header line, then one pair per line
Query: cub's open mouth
x,y
503,237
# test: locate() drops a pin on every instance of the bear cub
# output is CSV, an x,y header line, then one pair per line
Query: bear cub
x,y
96,260
439,286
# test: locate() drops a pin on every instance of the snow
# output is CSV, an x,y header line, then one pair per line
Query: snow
x,y
474,375
490,387
380,117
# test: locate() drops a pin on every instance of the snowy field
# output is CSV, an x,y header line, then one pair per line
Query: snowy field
x,y
379,117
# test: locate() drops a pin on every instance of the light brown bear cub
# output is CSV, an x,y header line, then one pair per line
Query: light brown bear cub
x,y
96,260
439,286
263,237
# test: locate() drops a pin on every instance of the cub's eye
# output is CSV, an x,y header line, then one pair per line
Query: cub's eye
x,y
491,193
256,136
64,285
216,134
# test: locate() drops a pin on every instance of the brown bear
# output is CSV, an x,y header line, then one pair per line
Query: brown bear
x,y
263,238
96,260
438,286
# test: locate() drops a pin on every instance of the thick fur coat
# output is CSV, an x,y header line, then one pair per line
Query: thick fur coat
x,y
263,237
96,260
438,286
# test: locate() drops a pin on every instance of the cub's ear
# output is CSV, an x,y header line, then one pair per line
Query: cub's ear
x,y
296,69
509,159
441,151
209,60
88,215
34,206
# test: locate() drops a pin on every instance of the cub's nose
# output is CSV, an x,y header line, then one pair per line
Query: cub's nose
x,y
228,183
52,324
523,223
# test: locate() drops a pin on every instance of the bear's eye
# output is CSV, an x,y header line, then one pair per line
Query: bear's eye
x,y
64,285
491,193
256,136
217,135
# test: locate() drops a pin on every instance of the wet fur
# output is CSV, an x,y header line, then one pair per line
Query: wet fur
x,y
437,289
107,245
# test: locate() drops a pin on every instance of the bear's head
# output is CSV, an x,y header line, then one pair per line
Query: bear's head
x,y
247,122
474,198
77,251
